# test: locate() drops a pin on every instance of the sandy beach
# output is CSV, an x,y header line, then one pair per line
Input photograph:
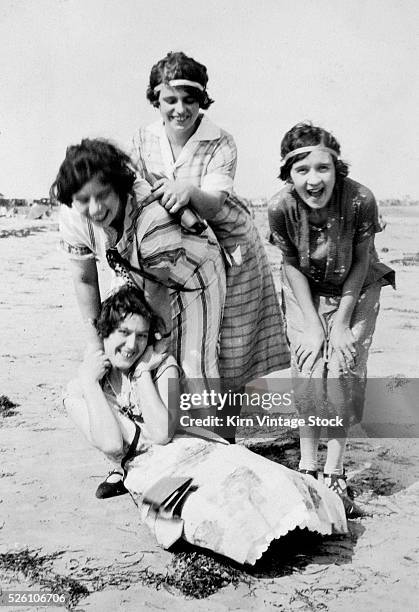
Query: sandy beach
x,y
57,537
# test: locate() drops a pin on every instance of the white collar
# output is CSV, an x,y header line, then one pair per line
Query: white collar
x,y
207,130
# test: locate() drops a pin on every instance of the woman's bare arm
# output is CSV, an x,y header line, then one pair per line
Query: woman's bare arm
x,y
341,337
312,336
175,195
86,286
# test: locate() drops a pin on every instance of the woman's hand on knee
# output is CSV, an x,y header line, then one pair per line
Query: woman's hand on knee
x,y
312,340
343,343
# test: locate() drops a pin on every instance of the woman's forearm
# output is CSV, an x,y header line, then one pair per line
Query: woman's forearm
x,y
154,411
86,287
207,204
105,431
353,284
301,289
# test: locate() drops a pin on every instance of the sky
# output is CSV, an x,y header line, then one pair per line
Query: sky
x,y
79,68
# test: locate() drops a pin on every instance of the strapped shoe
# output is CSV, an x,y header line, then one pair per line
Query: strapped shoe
x,y
313,473
337,483
111,489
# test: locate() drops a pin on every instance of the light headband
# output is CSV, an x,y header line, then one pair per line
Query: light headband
x,y
180,83
308,150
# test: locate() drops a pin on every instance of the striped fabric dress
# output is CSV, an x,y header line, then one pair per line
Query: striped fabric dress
x,y
252,340
193,262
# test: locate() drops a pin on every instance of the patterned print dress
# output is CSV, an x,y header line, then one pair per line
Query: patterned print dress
x,y
325,256
252,340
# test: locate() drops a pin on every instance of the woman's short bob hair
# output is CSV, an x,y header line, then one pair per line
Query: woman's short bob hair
x,y
128,300
179,66
93,158
305,135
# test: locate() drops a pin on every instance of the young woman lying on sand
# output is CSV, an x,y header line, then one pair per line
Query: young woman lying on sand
x,y
121,402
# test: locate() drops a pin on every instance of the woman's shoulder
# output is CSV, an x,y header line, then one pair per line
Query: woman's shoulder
x,y
168,362
208,130
148,135
284,200
78,238
68,217
152,129
358,191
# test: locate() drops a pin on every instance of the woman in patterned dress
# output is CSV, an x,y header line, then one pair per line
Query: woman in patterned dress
x,y
125,403
324,223
191,163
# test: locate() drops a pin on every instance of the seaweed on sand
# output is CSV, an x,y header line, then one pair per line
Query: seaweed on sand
x,y
198,575
195,574
37,569
7,407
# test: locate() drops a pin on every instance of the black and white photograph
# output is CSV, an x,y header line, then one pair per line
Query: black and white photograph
x,y
209,305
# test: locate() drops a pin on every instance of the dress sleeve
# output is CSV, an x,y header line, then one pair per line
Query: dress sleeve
x,y
221,168
367,219
170,361
279,234
76,235
159,237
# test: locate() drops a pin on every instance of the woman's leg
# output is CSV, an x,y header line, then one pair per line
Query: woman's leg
x,y
309,444
308,387
346,391
336,447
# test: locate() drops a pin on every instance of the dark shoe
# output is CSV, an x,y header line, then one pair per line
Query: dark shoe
x,y
337,483
353,511
111,489
313,473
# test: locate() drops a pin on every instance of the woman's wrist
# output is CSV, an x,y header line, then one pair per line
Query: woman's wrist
x,y
312,319
140,373
341,322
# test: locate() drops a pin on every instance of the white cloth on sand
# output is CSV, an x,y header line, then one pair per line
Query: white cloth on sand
x,y
242,501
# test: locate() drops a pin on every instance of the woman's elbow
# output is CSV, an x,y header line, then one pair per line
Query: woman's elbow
x,y
109,448
161,439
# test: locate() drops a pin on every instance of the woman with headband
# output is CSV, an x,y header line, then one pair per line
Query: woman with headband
x,y
324,223
192,162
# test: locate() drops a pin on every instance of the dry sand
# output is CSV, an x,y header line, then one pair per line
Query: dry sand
x,y
54,533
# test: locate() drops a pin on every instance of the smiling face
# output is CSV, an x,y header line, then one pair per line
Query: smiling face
x,y
179,110
314,178
125,345
99,202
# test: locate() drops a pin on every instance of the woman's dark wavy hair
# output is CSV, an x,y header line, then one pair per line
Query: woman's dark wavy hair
x,y
125,302
90,158
305,135
177,65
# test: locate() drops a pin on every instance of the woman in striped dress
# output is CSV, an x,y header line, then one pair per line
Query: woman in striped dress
x,y
181,272
191,163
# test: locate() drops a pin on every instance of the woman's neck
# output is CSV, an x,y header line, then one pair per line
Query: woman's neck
x,y
178,140
118,223
318,217
115,380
